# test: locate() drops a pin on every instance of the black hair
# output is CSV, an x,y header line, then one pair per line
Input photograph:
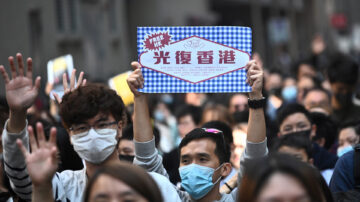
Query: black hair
x,y
259,171
286,110
194,111
294,141
343,69
128,134
218,138
225,128
305,61
325,128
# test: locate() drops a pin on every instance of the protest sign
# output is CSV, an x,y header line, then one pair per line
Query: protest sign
x,y
119,84
194,59
55,69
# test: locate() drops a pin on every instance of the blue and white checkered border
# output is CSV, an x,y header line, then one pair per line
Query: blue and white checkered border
x,y
236,37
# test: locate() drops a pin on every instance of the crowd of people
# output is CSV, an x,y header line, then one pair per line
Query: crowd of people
x,y
294,137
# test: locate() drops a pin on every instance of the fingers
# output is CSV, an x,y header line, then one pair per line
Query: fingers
x,y
84,82
72,79
4,74
12,67
80,79
52,139
29,68
20,64
135,65
54,155
40,134
21,146
37,83
57,98
65,84
32,140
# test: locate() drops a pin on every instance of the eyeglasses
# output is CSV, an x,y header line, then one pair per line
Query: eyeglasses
x,y
81,128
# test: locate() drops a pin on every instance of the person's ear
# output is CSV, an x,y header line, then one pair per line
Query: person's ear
x,y
313,131
226,170
311,161
119,130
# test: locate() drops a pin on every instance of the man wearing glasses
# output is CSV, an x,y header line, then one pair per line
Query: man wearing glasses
x,y
203,157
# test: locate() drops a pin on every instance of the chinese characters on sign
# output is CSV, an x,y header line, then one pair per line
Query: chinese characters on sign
x,y
203,57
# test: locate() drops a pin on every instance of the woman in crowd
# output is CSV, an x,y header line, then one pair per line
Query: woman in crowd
x,y
281,177
122,182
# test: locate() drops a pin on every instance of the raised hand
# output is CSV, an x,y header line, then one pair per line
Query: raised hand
x,y
67,89
255,78
42,162
21,92
135,79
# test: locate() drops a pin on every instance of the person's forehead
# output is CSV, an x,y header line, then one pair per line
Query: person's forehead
x,y
292,150
186,118
99,116
349,131
295,118
203,145
236,99
316,95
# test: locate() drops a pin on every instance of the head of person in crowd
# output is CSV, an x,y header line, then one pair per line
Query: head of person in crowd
x,y
126,145
305,68
298,146
238,103
94,116
294,118
204,161
216,112
239,136
303,84
326,130
273,83
281,177
188,118
196,99
349,135
342,73
317,100
289,90
122,182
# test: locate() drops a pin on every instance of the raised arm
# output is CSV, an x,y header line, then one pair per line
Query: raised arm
x,y
256,125
21,93
41,163
146,154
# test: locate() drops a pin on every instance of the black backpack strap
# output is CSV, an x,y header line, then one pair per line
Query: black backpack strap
x,y
357,165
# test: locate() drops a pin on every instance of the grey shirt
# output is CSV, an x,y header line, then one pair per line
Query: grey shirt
x,y
146,156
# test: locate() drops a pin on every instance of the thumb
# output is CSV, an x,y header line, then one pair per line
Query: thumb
x,y
135,65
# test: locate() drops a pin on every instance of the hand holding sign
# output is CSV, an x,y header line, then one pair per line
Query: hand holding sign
x,y
255,78
135,79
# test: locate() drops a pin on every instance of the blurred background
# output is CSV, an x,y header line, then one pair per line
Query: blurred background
x,y
101,34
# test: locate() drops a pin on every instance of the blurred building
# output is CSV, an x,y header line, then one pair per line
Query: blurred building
x,y
101,34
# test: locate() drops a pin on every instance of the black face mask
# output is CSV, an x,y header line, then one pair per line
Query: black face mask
x,y
344,99
128,158
305,133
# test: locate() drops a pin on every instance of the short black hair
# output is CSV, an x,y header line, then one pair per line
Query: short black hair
x,y
194,111
218,138
351,124
343,69
128,134
294,141
225,128
286,110
325,128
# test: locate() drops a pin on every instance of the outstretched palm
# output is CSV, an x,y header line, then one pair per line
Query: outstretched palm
x,y
41,163
20,91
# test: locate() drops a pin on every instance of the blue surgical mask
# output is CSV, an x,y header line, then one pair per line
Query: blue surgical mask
x,y
289,93
159,116
342,151
197,179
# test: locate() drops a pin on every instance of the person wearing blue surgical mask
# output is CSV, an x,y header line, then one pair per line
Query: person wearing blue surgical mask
x,y
204,156
348,137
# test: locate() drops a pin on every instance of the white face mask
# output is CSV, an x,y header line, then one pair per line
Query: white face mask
x,y
95,147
